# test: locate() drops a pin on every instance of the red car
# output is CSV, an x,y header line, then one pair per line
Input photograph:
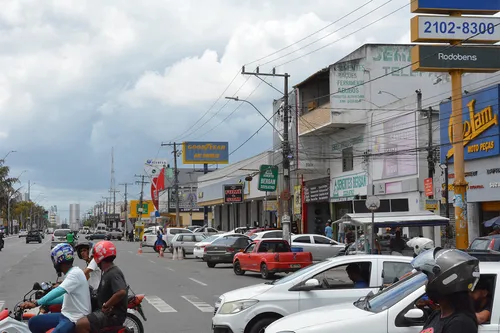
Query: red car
x,y
268,257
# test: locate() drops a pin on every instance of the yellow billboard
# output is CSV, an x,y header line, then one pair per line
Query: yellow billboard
x,y
147,208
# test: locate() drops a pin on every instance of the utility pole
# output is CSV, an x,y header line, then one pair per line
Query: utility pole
x,y
176,182
126,208
141,198
285,195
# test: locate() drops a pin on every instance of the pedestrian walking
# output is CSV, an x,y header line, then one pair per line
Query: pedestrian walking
x,y
328,230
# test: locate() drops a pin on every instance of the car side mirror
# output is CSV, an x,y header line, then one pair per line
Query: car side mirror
x,y
414,314
310,284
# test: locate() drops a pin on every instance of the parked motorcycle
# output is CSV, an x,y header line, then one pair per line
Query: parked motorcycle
x,y
16,321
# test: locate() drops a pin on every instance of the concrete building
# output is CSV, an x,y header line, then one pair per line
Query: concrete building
x,y
74,216
257,207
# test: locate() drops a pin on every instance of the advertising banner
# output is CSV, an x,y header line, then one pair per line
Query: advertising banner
x,y
233,193
157,186
187,200
481,131
483,7
428,187
205,152
317,191
394,150
347,187
297,199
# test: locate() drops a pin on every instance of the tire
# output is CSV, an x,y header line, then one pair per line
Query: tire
x,y
237,268
211,264
27,242
261,324
136,322
39,241
264,272
183,254
119,238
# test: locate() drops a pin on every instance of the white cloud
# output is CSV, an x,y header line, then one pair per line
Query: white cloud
x,y
81,76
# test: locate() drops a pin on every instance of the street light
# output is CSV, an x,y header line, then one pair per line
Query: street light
x,y
267,120
3,159
389,93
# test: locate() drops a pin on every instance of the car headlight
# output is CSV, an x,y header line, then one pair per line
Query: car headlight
x,y
237,306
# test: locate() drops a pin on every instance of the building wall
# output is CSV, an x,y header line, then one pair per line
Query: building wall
x,y
74,213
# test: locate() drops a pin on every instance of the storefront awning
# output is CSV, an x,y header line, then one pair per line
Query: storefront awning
x,y
396,219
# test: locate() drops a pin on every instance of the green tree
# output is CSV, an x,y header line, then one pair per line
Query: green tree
x,y
6,188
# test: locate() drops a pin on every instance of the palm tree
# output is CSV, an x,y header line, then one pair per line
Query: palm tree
x,y
6,187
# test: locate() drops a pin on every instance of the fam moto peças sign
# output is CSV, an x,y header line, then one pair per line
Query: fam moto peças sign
x,y
233,193
480,121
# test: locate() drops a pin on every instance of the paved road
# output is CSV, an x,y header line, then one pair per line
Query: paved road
x,y
180,294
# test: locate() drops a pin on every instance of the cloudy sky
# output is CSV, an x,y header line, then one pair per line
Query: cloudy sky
x,y
79,77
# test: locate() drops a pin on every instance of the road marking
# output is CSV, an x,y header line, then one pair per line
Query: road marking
x,y
130,252
2,303
202,306
170,269
159,304
199,282
151,261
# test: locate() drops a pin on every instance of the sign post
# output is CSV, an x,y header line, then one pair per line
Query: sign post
x,y
456,60
372,203
268,178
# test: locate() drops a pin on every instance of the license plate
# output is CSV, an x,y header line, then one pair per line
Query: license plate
x,y
215,258
295,266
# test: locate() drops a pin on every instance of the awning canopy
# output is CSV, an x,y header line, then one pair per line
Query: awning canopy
x,y
396,219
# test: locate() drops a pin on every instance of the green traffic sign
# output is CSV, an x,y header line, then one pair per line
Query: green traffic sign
x,y
144,209
268,178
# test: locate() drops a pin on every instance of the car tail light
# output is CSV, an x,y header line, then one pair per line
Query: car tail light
x,y
276,257
230,249
52,237
204,249
492,245
144,238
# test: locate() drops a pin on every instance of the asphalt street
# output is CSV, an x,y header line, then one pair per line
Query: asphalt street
x,y
180,294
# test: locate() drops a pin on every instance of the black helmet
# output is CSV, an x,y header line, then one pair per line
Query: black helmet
x,y
81,246
448,271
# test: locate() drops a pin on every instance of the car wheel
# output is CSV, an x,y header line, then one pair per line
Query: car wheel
x,y
261,324
211,264
27,242
237,268
183,253
119,238
264,272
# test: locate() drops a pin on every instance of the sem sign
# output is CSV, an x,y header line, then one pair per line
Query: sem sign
x,y
345,188
481,7
444,29
441,58
205,152
481,130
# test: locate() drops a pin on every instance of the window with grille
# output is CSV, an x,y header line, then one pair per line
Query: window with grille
x,y
347,159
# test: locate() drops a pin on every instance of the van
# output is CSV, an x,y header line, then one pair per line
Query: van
x,y
100,227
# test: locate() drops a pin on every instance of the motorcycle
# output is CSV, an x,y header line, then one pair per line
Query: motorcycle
x,y
1,243
16,321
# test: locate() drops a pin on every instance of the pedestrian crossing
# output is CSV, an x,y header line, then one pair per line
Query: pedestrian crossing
x,y
161,306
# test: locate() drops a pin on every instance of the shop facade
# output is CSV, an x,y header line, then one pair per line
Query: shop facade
x,y
317,203
481,155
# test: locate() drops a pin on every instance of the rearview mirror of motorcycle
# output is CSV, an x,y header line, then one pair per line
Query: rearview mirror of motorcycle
x,y
37,286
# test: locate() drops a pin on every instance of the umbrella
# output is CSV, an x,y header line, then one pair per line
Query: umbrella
x,y
492,222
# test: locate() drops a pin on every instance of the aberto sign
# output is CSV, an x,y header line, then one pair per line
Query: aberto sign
x,y
233,193
440,58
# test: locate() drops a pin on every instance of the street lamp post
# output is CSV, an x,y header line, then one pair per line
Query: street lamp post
x,y
3,159
9,198
389,93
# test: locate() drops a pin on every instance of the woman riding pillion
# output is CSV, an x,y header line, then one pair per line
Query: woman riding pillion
x,y
92,272
73,293
451,275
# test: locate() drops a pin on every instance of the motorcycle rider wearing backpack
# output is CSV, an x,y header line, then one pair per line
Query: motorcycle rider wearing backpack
x,y
73,293
111,294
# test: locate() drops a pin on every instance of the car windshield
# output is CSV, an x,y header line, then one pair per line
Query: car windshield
x,y
393,294
296,274
60,233
480,244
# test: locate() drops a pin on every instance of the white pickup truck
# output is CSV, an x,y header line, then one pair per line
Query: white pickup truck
x,y
253,308
393,310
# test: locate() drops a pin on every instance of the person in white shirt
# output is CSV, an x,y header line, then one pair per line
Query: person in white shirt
x,y
73,292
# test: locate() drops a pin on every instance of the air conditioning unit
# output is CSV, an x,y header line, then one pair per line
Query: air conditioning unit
x,y
312,105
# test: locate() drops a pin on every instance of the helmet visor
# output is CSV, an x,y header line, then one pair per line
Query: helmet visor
x,y
426,263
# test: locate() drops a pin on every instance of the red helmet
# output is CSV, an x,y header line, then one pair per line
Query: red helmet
x,y
102,250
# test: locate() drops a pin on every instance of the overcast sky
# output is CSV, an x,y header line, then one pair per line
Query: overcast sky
x,y
79,77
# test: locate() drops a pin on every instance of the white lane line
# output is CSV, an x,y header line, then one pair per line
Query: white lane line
x,y
151,261
2,303
202,306
130,252
170,269
199,282
159,304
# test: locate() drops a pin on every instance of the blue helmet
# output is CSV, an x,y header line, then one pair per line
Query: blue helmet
x,y
62,254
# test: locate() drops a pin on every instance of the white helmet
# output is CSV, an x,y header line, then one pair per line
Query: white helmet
x,y
420,244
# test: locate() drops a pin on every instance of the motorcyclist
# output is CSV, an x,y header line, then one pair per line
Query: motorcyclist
x,y
420,244
73,291
451,275
92,272
1,240
111,294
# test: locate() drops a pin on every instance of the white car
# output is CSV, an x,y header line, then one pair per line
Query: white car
x,y
199,248
267,234
150,235
253,308
321,247
23,233
392,310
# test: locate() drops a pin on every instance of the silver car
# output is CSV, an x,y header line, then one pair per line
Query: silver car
x,y
186,242
59,236
321,247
